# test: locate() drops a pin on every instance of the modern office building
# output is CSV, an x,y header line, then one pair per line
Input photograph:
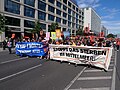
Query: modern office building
x,y
92,20
104,29
21,15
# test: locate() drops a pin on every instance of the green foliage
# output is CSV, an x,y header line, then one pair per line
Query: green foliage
x,y
53,26
79,31
110,36
37,28
2,23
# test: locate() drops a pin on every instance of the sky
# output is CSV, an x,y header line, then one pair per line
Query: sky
x,y
108,10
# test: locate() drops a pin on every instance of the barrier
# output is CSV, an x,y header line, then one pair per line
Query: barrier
x,y
95,56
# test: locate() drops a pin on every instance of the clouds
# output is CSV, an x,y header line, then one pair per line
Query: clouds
x,y
112,26
88,3
110,13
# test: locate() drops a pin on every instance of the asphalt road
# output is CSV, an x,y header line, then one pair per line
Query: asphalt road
x,y
23,73
117,71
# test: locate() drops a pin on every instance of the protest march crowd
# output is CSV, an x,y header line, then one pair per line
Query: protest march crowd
x,y
86,40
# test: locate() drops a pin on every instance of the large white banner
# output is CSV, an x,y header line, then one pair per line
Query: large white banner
x,y
95,56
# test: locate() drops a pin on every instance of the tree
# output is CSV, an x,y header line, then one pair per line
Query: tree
x,y
53,26
2,23
36,29
79,31
110,36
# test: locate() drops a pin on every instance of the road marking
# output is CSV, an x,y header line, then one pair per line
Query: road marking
x,y
94,78
71,83
94,70
114,73
20,72
101,88
13,60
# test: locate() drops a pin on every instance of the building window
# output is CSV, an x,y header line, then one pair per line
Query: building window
x,y
58,12
73,14
69,17
41,5
51,9
58,4
73,7
69,24
41,15
69,4
50,17
58,19
30,2
12,21
65,1
69,11
76,15
76,21
73,25
77,26
64,15
12,7
64,21
43,26
51,1
29,12
17,0
76,9
64,7
29,24
64,29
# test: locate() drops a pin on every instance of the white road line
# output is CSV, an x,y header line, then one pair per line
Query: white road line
x,y
72,82
94,78
94,70
13,60
114,73
101,88
20,72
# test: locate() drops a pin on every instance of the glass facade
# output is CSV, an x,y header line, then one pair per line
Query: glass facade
x,y
65,12
64,8
65,1
64,15
43,26
69,11
41,5
59,4
51,9
64,21
41,15
30,2
58,19
29,24
12,7
51,1
58,12
29,12
12,21
51,17
69,4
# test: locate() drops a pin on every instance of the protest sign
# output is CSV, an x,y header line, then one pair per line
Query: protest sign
x,y
53,35
95,56
30,49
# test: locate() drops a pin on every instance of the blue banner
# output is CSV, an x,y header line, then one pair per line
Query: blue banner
x,y
31,49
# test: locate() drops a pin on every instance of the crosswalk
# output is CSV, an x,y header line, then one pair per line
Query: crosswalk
x,y
94,79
